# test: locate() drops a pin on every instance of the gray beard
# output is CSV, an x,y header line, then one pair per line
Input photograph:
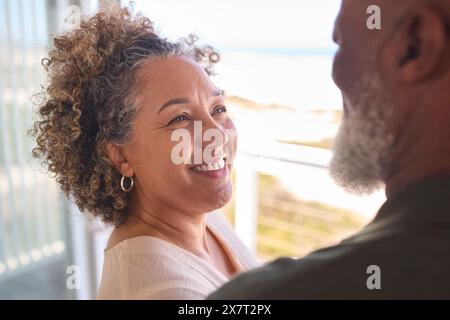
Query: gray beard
x,y
363,142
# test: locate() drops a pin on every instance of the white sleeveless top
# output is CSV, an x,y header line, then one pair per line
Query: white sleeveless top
x,y
151,268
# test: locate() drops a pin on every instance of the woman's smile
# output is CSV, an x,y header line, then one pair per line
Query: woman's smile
x,y
216,169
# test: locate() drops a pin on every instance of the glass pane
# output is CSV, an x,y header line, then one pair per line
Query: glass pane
x,y
34,242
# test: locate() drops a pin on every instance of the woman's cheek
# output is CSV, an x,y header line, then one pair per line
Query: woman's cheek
x,y
181,148
231,132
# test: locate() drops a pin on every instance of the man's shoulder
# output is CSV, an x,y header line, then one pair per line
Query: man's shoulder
x,y
409,264
305,278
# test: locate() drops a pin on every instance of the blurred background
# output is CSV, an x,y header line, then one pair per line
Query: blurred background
x,y
276,60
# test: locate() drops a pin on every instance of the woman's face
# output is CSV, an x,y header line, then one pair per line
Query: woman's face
x,y
177,105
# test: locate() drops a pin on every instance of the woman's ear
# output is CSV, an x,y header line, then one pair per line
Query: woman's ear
x,y
117,156
421,44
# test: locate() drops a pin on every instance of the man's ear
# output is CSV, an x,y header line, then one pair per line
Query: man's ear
x,y
116,154
420,44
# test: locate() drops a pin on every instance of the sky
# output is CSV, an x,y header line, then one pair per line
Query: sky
x,y
273,51
291,24
266,45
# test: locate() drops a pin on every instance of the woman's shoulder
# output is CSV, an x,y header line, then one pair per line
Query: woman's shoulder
x,y
150,268
143,247
145,254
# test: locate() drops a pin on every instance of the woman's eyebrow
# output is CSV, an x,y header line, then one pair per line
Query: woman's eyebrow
x,y
173,102
215,93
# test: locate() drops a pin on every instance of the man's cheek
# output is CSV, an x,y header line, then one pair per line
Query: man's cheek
x,y
337,69
345,73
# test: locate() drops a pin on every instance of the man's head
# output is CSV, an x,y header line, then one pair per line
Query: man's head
x,y
393,84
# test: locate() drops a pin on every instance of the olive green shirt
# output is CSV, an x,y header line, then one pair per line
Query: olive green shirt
x,y
408,241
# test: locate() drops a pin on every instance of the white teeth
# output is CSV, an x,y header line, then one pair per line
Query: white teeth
x,y
220,164
214,166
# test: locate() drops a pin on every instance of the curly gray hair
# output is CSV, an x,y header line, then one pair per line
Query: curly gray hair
x,y
89,101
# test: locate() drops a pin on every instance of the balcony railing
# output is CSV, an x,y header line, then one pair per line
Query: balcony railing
x,y
286,203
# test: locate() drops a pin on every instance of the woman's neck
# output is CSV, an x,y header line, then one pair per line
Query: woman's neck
x,y
180,228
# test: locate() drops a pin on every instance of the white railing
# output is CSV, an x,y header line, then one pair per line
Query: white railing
x,y
304,172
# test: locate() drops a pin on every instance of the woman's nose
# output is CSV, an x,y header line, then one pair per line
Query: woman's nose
x,y
215,136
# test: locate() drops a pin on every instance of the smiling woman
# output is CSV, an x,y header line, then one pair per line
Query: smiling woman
x,y
117,91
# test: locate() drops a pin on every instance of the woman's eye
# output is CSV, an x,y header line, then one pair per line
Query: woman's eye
x,y
179,118
220,109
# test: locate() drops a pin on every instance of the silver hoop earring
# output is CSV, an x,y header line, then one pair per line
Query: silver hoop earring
x,y
122,182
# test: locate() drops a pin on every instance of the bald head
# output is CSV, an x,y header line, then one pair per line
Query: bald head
x,y
399,8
